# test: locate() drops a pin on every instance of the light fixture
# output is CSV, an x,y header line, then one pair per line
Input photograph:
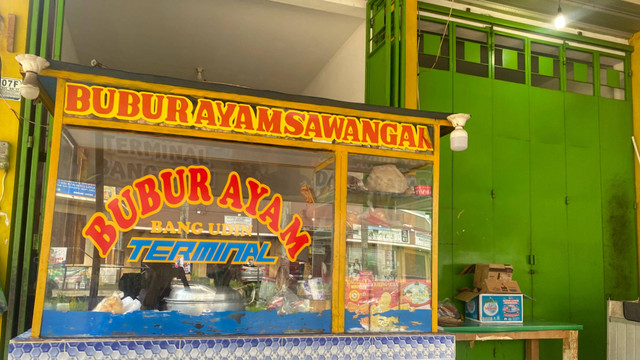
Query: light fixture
x,y
459,136
32,65
560,20
200,73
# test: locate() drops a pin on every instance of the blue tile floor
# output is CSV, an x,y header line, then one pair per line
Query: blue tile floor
x,y
331,347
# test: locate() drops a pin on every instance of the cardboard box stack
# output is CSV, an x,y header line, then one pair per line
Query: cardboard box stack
x,y
495,297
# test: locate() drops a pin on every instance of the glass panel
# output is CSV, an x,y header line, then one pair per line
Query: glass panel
x,y
199,237
389,214
472,52
376,32
545,66
509,59
431,44
579,72
612,82
434,50
378,21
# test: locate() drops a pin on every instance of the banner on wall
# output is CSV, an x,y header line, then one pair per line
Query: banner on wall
x,y
208,114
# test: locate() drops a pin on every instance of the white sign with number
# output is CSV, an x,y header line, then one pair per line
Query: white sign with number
x,y
10,89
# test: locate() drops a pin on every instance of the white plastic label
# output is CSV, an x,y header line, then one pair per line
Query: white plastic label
x,y
10,89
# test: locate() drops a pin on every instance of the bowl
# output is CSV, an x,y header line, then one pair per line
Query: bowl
x,y
198,299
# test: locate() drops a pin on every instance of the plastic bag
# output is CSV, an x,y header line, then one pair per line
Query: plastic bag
x,y
130,305
448,315
286,302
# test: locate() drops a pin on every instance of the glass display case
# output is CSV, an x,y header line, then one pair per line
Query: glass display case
x,y
389,242
178,212
200,233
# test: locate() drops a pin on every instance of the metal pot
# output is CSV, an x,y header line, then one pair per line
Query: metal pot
x,y
197,299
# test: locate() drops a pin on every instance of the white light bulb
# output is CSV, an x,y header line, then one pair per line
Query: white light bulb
x,y
560,20
459,139
31,65
30,89
459,136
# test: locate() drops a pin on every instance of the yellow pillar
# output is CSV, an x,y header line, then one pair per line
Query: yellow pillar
x,y
411,55
13,39
635,101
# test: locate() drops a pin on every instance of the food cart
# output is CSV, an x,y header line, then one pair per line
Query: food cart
x,y
197,219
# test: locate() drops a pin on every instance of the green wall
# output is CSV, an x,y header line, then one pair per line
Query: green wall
x,y
546,185
547,174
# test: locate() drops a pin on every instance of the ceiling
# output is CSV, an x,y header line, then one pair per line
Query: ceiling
x,y
254,43
279,45
607,17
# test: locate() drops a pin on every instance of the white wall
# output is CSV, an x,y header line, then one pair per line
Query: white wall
x,y
68,51
342,78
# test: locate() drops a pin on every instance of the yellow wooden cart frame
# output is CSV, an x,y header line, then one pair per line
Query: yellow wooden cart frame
x,y
63,74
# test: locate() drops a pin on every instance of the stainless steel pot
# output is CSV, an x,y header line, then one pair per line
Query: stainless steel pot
x,y
198,299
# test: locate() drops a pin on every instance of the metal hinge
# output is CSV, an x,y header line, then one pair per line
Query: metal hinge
x,y
566,200
30,142
532,259
493,194
35,242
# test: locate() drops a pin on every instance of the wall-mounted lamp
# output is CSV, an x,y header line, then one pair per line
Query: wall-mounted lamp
x,y
32,65
560,20
459,137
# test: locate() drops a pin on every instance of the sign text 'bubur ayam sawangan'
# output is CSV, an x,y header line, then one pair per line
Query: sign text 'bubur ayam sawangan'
x,y
130,105
147,196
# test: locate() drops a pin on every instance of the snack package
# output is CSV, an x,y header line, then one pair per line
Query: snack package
x,y
376,217
307,194
314,288
352,219
111,304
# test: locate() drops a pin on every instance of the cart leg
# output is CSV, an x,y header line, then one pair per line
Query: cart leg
x,y
570,346
532,349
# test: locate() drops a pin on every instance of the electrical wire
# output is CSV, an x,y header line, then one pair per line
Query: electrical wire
x,y
6,216
20,118
635,147
444,33
446,26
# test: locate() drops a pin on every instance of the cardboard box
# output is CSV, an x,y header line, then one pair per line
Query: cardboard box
x,y
495,308
483,272
495,296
